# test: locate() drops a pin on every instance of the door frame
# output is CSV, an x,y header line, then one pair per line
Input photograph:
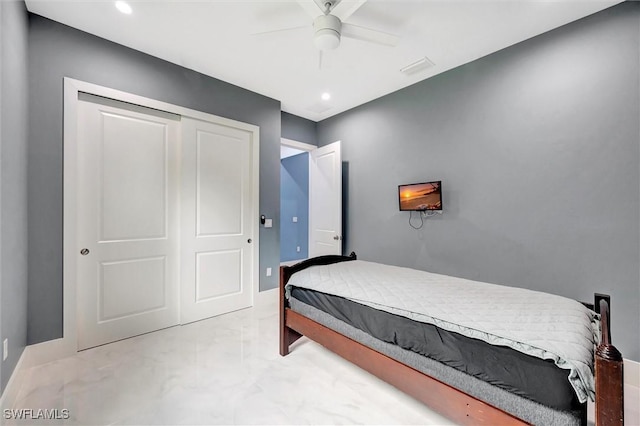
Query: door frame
x,y
306,148
68,344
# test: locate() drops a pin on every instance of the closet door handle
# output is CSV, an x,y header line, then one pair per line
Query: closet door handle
x,y
249,240
84,251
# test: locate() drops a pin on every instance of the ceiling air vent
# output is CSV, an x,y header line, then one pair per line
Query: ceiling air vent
x,y
419,65
319,107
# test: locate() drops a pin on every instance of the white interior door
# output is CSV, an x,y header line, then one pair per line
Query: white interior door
x,y
127,220
219,239
325,200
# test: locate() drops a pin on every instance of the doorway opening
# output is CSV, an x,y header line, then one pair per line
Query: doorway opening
x,y
294,201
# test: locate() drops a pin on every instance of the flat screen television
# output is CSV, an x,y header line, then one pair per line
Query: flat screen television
x,y
420,196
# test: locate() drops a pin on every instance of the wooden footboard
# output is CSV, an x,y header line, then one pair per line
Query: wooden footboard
x,y
446,400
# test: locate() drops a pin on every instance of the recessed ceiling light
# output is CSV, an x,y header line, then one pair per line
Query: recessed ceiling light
x,y
124,7
326,96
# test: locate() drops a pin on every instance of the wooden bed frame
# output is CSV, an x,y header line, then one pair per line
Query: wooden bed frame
x,y
441,397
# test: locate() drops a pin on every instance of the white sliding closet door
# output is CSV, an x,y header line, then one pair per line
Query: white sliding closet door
x,y
127,220
219,193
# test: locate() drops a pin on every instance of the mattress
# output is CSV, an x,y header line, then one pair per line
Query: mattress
x,y
520,374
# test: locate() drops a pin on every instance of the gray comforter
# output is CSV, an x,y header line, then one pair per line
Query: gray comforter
x,y
535,323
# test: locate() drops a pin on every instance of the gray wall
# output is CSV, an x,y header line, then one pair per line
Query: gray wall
x,y
538,150
294,202
299,129
13,182
58,51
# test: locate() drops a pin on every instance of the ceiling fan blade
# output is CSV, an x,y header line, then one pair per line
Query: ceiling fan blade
x,y
280,30
367,34
345,8
311,7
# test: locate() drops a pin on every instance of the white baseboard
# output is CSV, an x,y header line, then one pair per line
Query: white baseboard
x,y
267,297
52,350
631,373
10,393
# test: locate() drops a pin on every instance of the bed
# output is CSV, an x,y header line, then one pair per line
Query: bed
x,y
448,353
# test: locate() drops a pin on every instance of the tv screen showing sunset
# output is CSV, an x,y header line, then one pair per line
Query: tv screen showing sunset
x,y
421,196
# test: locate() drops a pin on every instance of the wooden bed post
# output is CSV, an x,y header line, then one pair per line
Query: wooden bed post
x,y
609,377
287,335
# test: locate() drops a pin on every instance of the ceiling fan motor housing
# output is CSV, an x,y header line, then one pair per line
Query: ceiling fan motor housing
x,y
327,32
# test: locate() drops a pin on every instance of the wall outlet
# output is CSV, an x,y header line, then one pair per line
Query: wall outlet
x,y
268,223
268,272
295,219
298,249
5,349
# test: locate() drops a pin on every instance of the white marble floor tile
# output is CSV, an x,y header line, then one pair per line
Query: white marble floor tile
x,y
224,370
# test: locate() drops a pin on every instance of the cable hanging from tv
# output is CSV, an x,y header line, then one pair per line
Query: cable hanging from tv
x,y
423,214
421,221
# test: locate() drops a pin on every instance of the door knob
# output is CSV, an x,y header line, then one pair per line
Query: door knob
x,y
337,237
249,240
84,251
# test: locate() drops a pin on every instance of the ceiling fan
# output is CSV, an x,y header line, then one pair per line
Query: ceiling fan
x,y
329,26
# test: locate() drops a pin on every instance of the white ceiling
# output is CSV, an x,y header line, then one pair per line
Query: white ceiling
x,y
217,38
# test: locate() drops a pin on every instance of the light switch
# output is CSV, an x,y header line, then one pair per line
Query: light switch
x,y
268,223
295,218
268,272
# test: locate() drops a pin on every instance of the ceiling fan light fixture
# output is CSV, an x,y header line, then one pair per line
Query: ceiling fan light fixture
x,y
327,36
326,39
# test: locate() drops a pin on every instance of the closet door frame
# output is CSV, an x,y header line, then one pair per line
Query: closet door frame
x,y
68,344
